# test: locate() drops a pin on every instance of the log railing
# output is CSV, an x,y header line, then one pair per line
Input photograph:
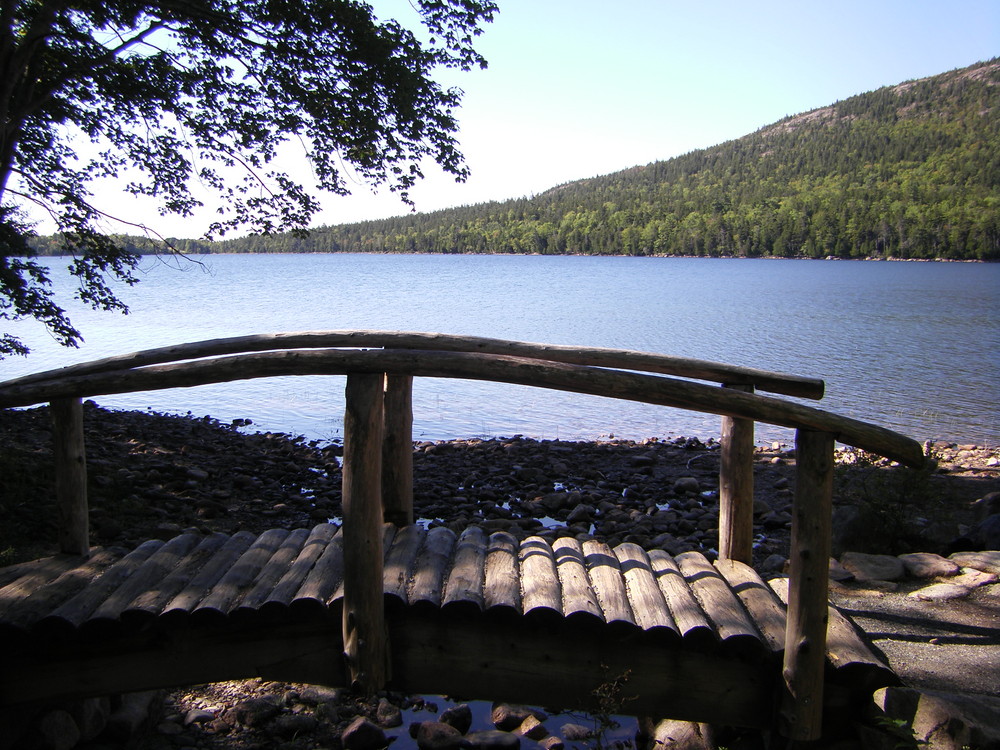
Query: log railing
x,y
377,469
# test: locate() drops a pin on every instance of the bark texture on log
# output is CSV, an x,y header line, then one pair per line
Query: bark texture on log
x,y
736,488
71,476
365,637
806,625
397,450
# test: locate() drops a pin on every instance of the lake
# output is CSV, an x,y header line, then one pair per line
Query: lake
x,y
911,346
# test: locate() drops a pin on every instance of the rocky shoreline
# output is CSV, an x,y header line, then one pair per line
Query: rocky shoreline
x,y
152,475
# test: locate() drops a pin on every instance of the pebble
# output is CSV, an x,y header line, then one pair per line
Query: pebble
x,y
509,716
459,716
436,735
687,484
362,734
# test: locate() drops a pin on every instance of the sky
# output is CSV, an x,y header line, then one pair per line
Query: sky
x,y
579,88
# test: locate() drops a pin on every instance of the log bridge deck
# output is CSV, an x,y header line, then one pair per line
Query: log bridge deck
x,y
382,602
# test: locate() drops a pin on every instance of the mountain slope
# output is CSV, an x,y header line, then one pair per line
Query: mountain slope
x,y
907,171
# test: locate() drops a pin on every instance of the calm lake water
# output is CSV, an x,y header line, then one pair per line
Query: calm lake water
x,y
912,346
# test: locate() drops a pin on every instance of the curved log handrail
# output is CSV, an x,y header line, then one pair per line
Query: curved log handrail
x,y
773,382
634,386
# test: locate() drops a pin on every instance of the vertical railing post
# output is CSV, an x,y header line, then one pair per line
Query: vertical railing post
x,y
70,457
365,639
805,629
397,450
736,487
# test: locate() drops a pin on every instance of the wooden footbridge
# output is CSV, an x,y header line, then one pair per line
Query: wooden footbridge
x,y
382,602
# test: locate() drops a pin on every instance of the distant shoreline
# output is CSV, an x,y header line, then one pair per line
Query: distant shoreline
x,y
833,258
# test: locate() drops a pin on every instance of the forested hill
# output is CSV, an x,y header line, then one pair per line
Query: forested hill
x,y
907,171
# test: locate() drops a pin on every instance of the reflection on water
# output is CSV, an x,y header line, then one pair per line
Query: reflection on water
x,y
908,345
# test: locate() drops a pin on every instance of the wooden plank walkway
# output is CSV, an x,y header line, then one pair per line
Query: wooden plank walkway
x,y
476,615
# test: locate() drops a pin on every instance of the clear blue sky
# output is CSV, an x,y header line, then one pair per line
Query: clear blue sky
x,y
577,88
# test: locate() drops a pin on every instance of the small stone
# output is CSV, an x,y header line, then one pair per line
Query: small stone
x,y
551,743
459,716
683,735
387,714
532,728
687,484
362,734
509,716
939,592
576,732
867,567
492,739
928,565
436,735
254,712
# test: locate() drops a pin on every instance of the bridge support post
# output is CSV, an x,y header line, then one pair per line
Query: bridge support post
x,y
397,450
364,628
70,456
805,629
736,487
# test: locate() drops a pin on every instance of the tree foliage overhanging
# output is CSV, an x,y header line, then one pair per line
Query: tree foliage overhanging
x,y
171,94
907,171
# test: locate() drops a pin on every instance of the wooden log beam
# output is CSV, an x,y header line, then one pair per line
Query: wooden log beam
x,y
736,487
773,382
806,626
397,450
364,629
631,386
70,456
